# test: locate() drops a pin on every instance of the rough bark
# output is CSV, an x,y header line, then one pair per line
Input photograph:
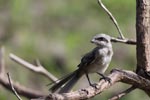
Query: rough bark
x,y
143,38
143,35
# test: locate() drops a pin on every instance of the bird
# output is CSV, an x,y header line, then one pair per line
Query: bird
x,y
95,61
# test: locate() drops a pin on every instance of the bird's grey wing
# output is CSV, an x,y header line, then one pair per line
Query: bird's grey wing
x,y
88,58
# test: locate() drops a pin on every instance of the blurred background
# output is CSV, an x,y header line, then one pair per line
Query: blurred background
x,y
58,33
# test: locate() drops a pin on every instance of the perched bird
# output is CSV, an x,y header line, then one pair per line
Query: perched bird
x,y
96,61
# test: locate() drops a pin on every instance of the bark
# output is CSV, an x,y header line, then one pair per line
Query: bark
x,y
143,38
124,76
143,35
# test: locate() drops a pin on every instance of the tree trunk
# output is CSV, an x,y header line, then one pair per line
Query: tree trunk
x,y
143,36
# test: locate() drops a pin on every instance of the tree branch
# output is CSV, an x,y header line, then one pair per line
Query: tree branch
x,y
124,76
126,41
122,39
21,90
38,69
122,94
26,92
112,18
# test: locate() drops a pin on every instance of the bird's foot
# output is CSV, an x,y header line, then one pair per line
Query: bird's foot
x,y
94,85
106,79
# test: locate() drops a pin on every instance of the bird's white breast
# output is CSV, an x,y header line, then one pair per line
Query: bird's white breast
x,y
101,62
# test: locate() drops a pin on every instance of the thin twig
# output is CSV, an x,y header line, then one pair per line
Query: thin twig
x,y
112,18
12,87
2,62
126,41
22,90
122,94
38,69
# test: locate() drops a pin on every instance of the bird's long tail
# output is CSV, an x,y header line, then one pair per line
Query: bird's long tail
x,y
67,82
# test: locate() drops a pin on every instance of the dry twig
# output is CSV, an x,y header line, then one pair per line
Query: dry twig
x,y
126,41
122,39
38,69
26,92
21,90
112,18
12,87
122,94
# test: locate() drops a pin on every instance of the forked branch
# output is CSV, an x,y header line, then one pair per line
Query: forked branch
x,y
112,18
38,69
21,90
126,41
122,39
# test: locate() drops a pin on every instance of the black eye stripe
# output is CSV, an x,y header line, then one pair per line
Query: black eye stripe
x,y
101,39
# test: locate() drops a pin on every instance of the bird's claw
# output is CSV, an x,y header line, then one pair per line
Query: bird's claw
x,y
106,79
94,85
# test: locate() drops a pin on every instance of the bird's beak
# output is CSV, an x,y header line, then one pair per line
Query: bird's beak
x,y
92,41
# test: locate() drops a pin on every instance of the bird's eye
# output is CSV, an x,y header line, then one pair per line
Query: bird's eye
x,y
101,39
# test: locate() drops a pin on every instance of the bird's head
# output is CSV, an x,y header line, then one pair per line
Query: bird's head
x,y
102,40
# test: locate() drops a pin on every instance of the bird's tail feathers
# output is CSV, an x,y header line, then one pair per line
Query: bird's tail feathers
x,y
68,86
64,80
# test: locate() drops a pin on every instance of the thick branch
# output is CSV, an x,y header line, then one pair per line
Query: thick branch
x,y
125,76
38,69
